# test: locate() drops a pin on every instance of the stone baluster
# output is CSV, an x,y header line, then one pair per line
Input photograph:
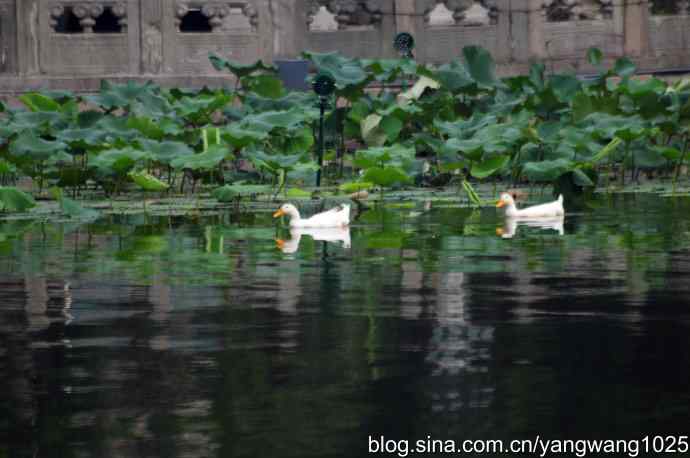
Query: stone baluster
x,y
87,14
215,14
56,13
120,12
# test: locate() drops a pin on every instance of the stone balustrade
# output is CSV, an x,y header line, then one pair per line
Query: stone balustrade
x,y
74,43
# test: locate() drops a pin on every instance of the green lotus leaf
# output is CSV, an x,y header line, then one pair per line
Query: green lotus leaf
x,y
489,166
148,182
480,65
118,161
273,162
345,71
355,186
165,152
207,160
594,56
241,137
238,69
14,200
35,148
386,176
547,170
264,85
39,102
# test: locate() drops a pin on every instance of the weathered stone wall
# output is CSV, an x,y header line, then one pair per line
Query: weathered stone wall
x,y
74,43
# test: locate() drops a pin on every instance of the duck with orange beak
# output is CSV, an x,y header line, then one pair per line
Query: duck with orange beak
x,y
548,210
335,217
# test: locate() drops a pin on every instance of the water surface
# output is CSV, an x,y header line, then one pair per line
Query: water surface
x,y
174,337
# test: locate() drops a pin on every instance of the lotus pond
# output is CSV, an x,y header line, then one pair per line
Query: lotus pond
x,y
147,309
196,336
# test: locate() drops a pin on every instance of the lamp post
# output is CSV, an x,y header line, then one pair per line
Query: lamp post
x,y
404,44
324,86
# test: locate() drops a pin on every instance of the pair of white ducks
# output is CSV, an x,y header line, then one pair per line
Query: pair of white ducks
x,y
340,216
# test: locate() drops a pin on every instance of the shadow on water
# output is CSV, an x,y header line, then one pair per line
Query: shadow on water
x,y
170,337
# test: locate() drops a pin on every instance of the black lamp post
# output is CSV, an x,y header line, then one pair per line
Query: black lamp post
x,y
324,86
404,44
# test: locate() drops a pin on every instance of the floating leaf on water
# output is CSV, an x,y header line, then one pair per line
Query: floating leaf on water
x,y
148,182
228,193
296,193
355,186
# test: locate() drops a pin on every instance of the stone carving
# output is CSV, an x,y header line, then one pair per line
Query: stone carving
x,y
152,49
459,9
87,13
319,19
216,12
348,13
572,10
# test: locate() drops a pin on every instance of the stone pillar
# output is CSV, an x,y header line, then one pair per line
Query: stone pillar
x,y
8,37
636,27
618,18
289,23
535,27
504,40
265,28
28,51
404,16
525,30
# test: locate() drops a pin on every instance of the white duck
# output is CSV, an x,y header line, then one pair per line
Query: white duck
x,y
335,217
328,234
548,210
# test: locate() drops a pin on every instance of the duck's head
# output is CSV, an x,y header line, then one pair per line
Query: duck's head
x,y
505,199
287,209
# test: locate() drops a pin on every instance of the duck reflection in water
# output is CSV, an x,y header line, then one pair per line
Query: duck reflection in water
x,y
330,234
511,225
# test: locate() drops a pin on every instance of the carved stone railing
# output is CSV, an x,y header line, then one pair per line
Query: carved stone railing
x,y
216,12
88,13
74,43
459,9
573,10
348,13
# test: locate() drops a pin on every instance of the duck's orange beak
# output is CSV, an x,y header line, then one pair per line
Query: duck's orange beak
x,y
500,203
280,243
499,231
279,213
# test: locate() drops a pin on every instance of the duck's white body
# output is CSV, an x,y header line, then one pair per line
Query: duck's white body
x,y
548,210
335,217
330,234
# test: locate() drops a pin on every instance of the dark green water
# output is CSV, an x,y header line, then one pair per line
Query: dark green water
x,y
171,337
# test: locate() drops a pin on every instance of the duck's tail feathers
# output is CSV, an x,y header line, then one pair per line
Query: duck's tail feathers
x,y
560,198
